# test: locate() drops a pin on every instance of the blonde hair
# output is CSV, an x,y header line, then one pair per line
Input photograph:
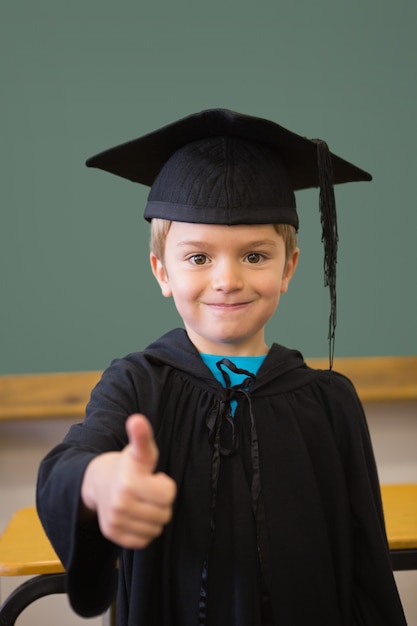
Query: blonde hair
x,y
159,232
160,229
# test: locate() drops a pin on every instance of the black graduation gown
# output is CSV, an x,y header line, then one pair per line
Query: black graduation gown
x,y
288,516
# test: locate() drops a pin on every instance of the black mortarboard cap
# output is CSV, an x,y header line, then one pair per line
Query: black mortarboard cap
x,y
223,167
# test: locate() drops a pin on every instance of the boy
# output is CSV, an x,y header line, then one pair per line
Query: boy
x,y
232,484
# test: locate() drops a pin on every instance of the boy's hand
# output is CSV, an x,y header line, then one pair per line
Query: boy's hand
x,y
132,503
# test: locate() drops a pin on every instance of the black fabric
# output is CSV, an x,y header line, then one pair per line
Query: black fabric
x,y
321,515
140,160
223,180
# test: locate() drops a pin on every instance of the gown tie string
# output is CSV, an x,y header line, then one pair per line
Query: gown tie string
x,y
224,437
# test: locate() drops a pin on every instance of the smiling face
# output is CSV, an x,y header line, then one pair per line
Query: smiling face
x,y
226,282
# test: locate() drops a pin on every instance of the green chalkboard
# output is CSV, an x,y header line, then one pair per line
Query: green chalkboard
x,y
78,77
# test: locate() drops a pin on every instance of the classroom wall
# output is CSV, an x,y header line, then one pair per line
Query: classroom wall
x,y
79,77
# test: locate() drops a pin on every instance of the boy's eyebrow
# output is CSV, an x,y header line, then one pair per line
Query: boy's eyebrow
x,y
189,242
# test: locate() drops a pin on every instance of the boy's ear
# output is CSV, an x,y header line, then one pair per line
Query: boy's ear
x,y
160,273
290,267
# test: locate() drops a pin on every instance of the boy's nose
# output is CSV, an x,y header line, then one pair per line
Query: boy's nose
x,y
227,277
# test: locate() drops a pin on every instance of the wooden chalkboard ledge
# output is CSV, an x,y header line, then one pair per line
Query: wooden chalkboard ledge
x,y
378,379
65,394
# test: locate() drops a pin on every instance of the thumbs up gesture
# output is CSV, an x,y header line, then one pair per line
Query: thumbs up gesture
x,y
132,503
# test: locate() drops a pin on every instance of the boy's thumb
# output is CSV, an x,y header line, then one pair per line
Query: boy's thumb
x,y
142,443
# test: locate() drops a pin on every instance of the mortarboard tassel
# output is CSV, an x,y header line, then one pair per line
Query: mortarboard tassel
x,y
330,236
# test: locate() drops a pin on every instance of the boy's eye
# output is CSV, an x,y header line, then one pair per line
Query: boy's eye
x,y
254,257
198,259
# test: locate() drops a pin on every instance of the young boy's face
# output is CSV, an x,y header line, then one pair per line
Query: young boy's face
x,y
226,282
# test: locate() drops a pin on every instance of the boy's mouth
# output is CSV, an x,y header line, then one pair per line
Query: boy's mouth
x,y
227,305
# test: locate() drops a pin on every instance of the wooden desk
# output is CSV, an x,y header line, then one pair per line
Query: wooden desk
x,y
400,509
25,549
